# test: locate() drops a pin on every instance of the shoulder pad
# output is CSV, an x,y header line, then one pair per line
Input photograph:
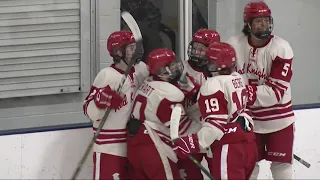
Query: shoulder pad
x,y
211,86
281,48
107,76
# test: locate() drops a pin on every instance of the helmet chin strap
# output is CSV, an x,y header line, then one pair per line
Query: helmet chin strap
x,y
261,35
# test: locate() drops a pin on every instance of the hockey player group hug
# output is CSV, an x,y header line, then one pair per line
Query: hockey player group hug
x,y
235,99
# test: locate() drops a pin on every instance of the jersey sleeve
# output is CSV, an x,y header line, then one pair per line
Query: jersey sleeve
x,y
273,90
213,105
104,79
171,96
142,72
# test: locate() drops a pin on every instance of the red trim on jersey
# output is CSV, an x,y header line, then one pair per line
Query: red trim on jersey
x,y
111,141
274,106
164,110
278,117
272,112
278,111
89,98
248,111
214,123
276,90
111,130
117,69
164,138
281,69
184,125
111,136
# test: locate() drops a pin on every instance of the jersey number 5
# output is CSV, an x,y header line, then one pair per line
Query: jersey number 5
x,y
286,68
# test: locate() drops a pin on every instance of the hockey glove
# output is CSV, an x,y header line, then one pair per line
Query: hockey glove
x,y
107,98
252,94
187,145
189,87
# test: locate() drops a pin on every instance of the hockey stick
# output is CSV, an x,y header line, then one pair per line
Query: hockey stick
x,y
174,134
305,163
127,17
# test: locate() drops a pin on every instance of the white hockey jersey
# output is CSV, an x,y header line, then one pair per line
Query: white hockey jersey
x,y
112,138
153,105
191,107
268,67
222,99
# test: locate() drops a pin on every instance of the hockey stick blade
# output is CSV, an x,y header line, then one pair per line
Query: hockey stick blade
x,y
127,17
305,163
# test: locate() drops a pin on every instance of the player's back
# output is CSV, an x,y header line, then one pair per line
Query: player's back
x,y
152,106
224,96
154,101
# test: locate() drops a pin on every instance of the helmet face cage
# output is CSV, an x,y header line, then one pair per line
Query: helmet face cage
x,y
197,53
172,71
262,34
129,51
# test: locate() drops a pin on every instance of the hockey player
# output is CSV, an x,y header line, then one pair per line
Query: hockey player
x,y
265,62
196,68
227,128
110,149
150,150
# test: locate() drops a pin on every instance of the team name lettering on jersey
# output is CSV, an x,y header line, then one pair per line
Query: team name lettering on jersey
x,y
123,103
146,89
250,70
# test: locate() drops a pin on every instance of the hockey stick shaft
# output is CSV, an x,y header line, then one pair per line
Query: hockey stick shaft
x,y
106,115
305,163
174,135
198,164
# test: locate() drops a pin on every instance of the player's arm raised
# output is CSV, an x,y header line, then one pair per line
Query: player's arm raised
x,y
102,95
273,90
142,72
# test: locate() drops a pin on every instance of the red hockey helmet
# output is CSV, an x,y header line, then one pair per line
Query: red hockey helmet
x,y
118,40
198,46
220,56
255,9
206,36
164,63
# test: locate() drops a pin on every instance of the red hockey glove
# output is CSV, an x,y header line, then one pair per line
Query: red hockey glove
x,y
252,95
189,87
107,98
187,145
